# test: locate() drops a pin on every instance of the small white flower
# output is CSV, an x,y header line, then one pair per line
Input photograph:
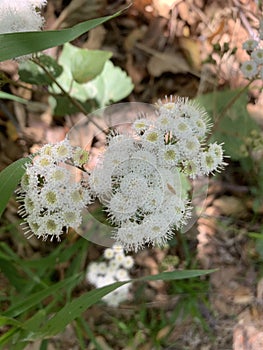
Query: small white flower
x,y
164,122
156,230
58,176
119,258
102,268
257,56
79,156
152,138
72,218
181,128
189,147
50,199
62,151
249,69
130,236
211,160
141,125
50,226
169,156
122,275
128,262
249,45
108,253
113,265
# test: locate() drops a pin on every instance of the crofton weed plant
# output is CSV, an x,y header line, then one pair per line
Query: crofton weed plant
x,y
138,179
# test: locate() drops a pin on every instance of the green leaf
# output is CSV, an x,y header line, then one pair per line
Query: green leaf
x,y
24,43
61,105
32,73
4,321
87,64
9,179
112,85
34,299
76,307
7,96
235,125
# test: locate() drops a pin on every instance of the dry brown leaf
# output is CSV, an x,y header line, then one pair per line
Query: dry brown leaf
x,y
191,49
96,38
167,62
231,206
133,37
163,332
78,11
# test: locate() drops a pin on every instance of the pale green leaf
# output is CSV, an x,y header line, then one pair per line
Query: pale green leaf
x,y
87,64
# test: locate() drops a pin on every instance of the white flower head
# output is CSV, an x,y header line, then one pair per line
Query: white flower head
x,y
141,125
182,129
190,148
108,253
212,159
257,56
153,138
169,155
52,201
249,45
62,151
128,262
249,69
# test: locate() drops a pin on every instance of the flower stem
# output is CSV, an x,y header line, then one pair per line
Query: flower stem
x,y
65,93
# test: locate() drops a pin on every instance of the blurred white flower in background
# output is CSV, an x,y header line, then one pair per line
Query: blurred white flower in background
x,y
21,15
115,268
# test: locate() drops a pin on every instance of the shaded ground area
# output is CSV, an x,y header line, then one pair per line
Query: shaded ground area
x,y
163,45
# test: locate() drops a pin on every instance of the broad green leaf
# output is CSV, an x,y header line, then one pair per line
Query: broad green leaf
x,y
32,73
76,307
9,179
235,125
87,64
112,85
7,96
18,44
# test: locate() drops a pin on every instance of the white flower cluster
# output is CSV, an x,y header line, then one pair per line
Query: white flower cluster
x,y
116,268
52,200
253,68
138,177
21,15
